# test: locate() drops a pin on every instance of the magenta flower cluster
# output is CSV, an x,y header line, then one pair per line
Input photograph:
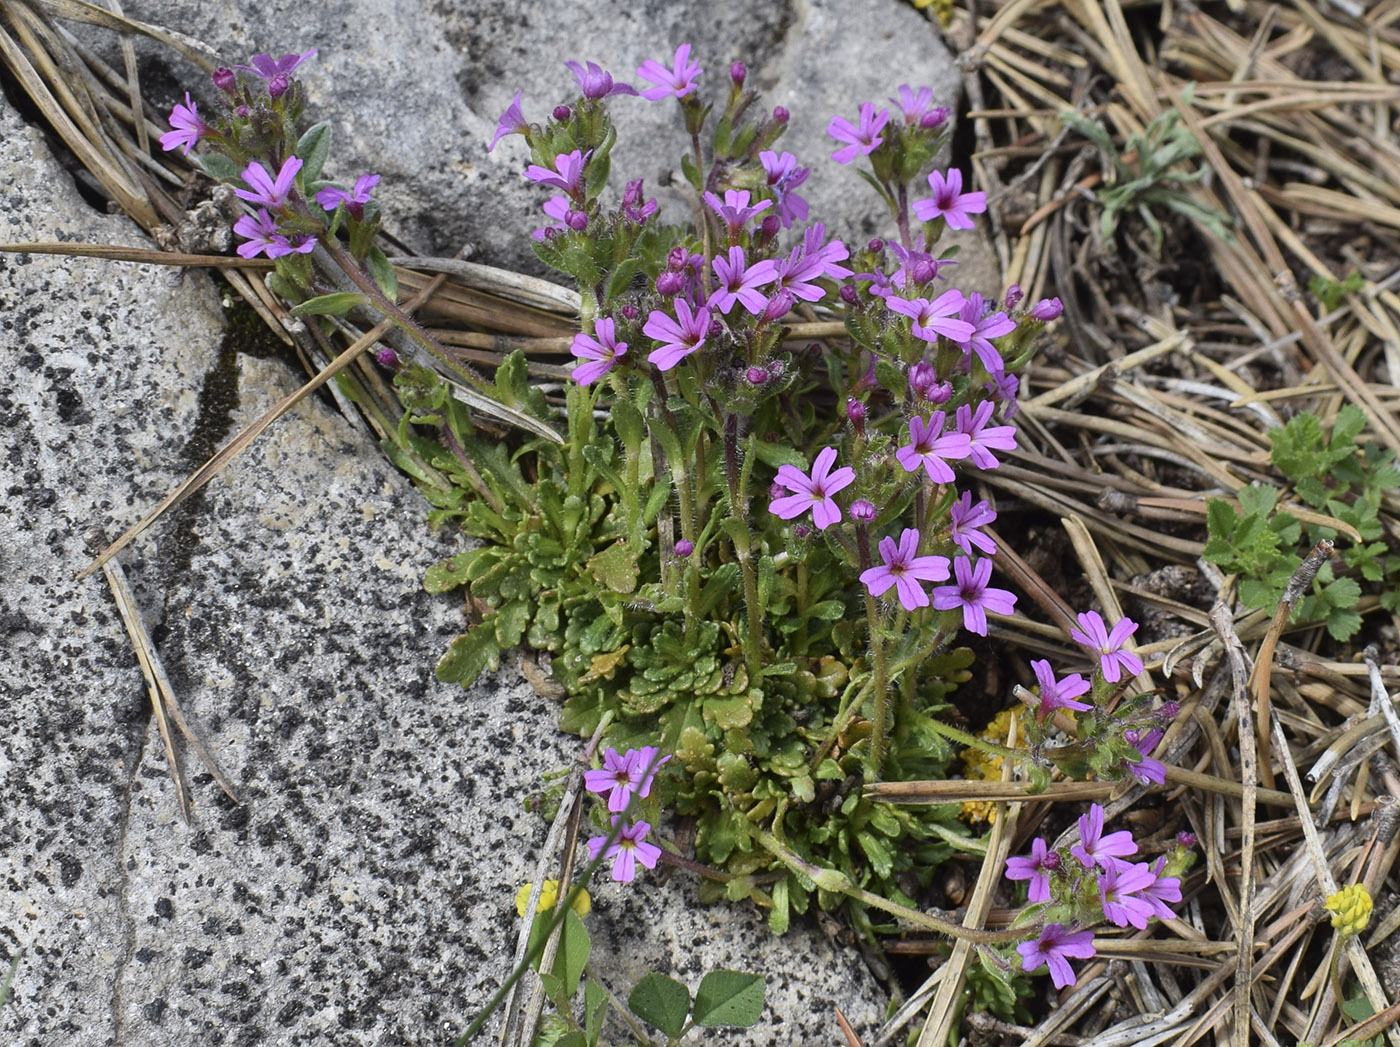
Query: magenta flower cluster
x,y
1127,893
622,777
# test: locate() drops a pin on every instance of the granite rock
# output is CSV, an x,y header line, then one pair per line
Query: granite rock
x,y
361,893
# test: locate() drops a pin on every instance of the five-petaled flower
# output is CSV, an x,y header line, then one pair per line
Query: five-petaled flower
x,y
624,775
627,850
1119,886
934,318
566,175
739,282
1094,634
932,448
1094,848
596,82
677,81
1037,868
862,140
332,196
984,328
268,67
784,176
679,336
187,124
263,237
982,440
598,352
972,593
735,209
813,492
268,191
949,202
913,105
1056,943
904,570
512,122
964,519
1058,694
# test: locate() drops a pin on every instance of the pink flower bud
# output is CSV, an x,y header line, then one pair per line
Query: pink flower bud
x,y
630,312
737,72
934,118
676,260
925,269
226,80
684,548
670,283
855,414
848,294
1014,294
1185,839
577,221
756,375
1046,309
780,114
922,378
715,329
562,113
778,306
387,358
862,511
277,86
875,246
768,228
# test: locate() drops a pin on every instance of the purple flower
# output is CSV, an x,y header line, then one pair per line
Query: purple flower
x,y
1054,944
1094,848
863,511
965,519
567,173
332,197
739,282
934,318
982,441
1045,310
828,253
623,775
1113,660
913,106
784,176
993,325
267,191
645,758
556,207
918,267
1037,868
1145,769
261,232
1119,884
632,205
627,850
930,447
596,83
1058,694
904,570
1162,890
601,351
678,81
735,210
949,202
1003,388
512,122
268,68
973,594
863,140
812,492
187,124
679,337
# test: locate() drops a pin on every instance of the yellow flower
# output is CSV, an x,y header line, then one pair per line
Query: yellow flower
x,y
1351,909
986,767
549,894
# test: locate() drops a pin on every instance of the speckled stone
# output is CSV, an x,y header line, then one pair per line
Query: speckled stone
x,y
417,98
362,893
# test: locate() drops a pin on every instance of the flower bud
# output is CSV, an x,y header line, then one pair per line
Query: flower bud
x,y
715,329
737,72
1046,309
243,112
1185,839
939,393
630,312
769,227
934,118
1166,712
277,86
777,490
875,246
924,270
226,80
848,294
676,260
562,113
576,220
1014,294
387,358
780,114
756,375
1051,860
922,378
855,414
632,195
801,531
862,511
778,306
670,283
684,548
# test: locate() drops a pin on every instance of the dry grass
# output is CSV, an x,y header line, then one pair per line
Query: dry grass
x,y
1156,394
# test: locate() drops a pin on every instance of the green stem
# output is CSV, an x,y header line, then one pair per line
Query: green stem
x,y
617,1005
881,685
836,882
739,504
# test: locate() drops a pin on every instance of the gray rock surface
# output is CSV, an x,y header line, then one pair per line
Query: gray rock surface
x,y
362,893
417,98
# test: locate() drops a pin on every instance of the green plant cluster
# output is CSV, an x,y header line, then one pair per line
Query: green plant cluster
x,y
1337,477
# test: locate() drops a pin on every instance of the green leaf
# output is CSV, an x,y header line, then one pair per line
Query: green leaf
x,y
1343,624
1258,498
510,623
827,610
336,304
615,567
554,989
573,1038
1342,593
217,166
312,147
779,917
573,952
660,1001
595,1006
468,656
383,274
730,998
